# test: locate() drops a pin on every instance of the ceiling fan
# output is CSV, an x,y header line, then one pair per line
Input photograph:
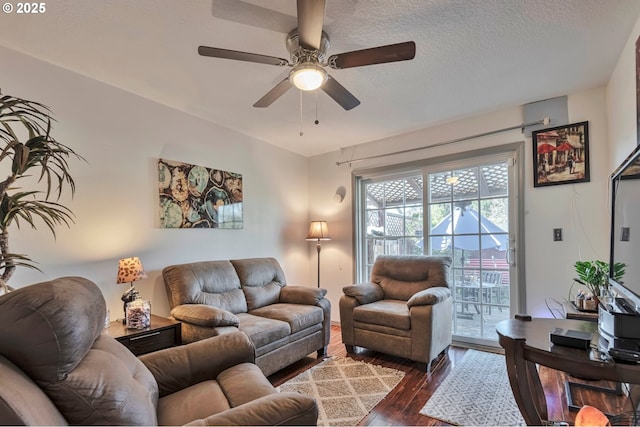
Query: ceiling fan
x,y
307,46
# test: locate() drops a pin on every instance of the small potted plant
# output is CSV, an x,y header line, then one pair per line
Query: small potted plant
x,y
594,275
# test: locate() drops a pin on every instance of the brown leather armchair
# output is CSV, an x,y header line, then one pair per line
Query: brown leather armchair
x,y
405,310
58,368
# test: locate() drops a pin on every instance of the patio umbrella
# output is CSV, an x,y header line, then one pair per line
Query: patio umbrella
x,y
545,148
461,228
565,146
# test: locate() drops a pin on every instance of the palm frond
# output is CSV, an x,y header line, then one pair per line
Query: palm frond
x,y
41,156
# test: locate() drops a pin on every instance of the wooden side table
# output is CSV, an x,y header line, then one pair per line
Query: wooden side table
x,y
163,333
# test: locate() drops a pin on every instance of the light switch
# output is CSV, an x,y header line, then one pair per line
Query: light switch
x,y
624,234
557,234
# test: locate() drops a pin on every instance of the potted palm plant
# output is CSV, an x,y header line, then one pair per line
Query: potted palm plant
x,y
28,150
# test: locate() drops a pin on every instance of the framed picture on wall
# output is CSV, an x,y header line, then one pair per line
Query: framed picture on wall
x,y
561,155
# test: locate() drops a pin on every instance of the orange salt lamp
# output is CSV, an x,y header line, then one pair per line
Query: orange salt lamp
x,y
590,416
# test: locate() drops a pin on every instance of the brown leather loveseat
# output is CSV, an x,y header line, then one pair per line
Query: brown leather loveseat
x,y
58,368
284,323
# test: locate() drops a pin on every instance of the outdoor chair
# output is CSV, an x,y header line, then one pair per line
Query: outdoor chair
x,y
491,282
405,310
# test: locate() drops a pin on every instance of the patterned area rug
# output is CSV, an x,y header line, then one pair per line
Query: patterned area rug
x,y
476,393
346,390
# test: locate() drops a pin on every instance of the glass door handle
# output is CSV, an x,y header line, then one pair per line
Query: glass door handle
x,y
511,257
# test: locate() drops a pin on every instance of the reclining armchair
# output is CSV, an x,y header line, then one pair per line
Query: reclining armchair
x,y
404,311
58,368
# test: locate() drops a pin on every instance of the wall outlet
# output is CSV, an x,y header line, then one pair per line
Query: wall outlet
x,y
557,234
625,234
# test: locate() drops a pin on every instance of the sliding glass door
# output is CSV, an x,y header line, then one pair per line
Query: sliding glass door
x,y
469,206
464,209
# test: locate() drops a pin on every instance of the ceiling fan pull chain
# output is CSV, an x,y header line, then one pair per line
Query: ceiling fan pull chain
x,y
316,95
301,132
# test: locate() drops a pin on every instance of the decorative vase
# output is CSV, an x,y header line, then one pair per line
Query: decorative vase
x,y
138,314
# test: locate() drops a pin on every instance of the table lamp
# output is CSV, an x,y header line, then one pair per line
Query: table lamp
x,y
130,270
318,230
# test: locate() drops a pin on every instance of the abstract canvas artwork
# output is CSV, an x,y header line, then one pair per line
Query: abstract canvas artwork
x,y
194,196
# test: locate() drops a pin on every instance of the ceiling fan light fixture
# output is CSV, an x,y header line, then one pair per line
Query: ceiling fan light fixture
x,y
308,76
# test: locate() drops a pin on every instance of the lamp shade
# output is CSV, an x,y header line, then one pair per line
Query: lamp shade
x,y
130,270
318,230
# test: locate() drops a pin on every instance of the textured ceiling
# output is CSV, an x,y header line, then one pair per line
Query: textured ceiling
x,y
472,56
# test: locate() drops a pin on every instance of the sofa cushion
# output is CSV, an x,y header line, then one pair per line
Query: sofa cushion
x,y
298,316
392,313
261,280
192,403
22,402
260,296
209,282
109,387
204,315
429,296
243,383
90,377
262,330
401,276
302,295
364,293
55,344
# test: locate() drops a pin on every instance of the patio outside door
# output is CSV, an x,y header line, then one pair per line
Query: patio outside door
x,y
469,207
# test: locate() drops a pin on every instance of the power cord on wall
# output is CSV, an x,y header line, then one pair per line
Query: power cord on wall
x,y
556,308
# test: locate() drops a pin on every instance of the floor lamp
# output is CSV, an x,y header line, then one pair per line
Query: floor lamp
x,y
318,230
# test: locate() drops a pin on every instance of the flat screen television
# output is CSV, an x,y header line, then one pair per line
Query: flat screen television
x,y
625,230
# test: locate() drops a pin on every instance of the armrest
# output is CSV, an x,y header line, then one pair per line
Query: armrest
x,y
179,367
429,296
364,293
301,295
273,410
204,315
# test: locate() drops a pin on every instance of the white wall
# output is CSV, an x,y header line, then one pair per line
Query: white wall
x,y
116,204
621,103
580,209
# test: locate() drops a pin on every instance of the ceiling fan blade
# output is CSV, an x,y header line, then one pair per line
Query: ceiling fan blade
x,y
375,55
339,94
274,94
216,52
310,20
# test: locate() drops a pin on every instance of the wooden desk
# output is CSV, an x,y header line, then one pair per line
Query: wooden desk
x,y
526,344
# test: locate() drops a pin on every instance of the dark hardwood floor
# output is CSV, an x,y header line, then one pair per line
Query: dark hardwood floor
x,y
403,404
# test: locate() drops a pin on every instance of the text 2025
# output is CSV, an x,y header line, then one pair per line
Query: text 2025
x,y
31,7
